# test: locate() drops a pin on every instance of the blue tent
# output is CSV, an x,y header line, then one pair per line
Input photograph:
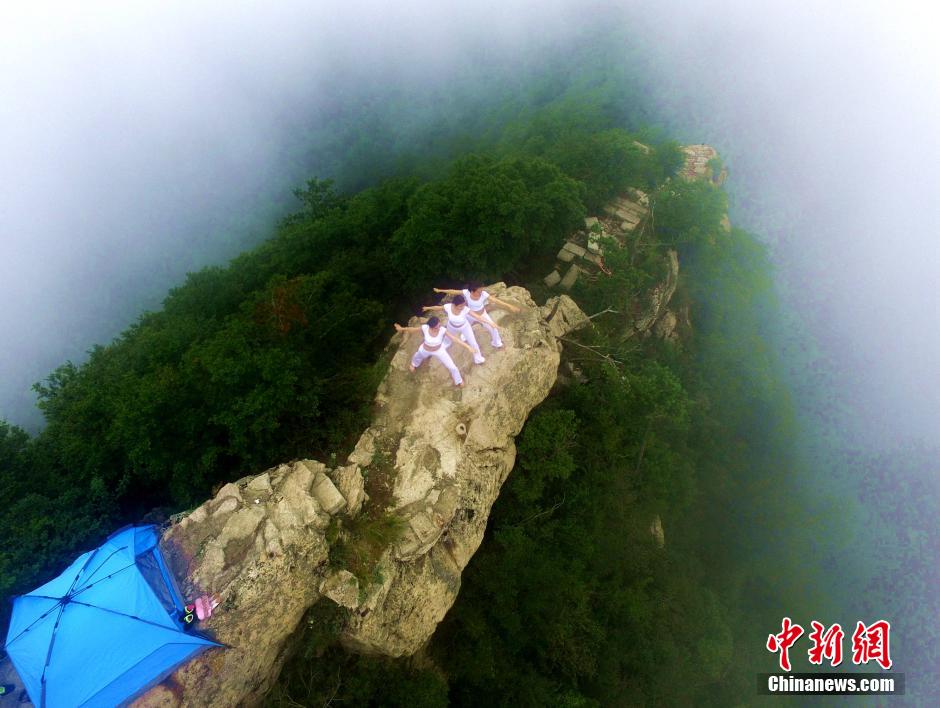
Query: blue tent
x,y
105,630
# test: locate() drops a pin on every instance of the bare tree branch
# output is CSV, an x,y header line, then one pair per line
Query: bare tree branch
x,y
544,512
602,312
594,350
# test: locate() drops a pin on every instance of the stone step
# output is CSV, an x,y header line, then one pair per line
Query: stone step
x,y
627,227
639,196
633,209
625,215
574,248
570,277
629,203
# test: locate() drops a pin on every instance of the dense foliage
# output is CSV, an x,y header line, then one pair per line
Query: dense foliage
x,y
488,217
569,600
277,355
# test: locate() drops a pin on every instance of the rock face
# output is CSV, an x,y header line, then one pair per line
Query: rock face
x,y
342,587
261,543
452,453
583,252
655,317
624,219
658,299
629,210
698,164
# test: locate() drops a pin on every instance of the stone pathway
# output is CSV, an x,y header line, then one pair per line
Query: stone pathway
x,y
583,253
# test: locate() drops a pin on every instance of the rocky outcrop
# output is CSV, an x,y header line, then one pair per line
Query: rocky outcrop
x,y
629,210
665,327
657,300
452,454
562,315
701,162
342,587
583,252
624,219
261,542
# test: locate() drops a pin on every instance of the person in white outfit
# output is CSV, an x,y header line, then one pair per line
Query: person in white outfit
x,y
477,299
459,318
436,341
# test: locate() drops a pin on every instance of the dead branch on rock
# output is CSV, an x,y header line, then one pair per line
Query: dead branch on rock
x,y
593,350
603,312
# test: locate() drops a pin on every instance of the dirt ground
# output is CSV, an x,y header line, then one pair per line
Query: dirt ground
x,y
8,675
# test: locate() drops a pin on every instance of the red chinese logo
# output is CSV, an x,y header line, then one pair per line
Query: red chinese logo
x,y
871,644
783,641
826,644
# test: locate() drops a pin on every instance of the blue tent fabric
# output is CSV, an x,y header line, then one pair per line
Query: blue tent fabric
x,y
104,630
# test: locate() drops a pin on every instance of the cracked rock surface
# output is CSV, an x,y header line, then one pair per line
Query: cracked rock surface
x,y
260,542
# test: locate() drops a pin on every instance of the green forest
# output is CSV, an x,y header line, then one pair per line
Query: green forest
x,y
568,601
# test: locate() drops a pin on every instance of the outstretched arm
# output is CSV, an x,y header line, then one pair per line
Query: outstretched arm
x,y
504,305
433,307
463,344
485,320
447,292
399,328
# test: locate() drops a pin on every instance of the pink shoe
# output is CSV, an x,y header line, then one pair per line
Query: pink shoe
x,y
205,604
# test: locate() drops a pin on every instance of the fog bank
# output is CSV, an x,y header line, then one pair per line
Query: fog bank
x,y
142,141
828,117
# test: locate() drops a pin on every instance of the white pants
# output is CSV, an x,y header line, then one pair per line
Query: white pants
x,y
467,331
442,356
495,339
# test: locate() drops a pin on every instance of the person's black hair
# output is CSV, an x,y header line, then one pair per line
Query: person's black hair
x,y
474,285
433,322
459,300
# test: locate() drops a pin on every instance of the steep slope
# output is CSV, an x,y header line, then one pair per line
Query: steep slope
x,y
440,455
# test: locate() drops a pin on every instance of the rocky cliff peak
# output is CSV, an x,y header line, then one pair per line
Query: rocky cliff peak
x,y
434,459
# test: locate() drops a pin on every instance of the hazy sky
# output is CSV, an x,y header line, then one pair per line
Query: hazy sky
x,y
141,140
132,135
136,139
828,116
